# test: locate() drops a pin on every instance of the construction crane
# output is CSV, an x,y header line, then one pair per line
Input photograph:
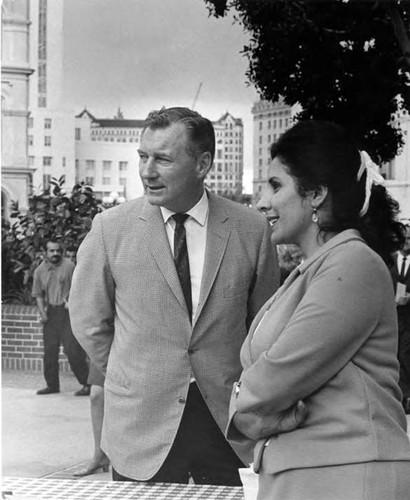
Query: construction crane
x,y
196,96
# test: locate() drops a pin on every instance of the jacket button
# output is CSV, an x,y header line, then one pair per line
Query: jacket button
x,y
181,400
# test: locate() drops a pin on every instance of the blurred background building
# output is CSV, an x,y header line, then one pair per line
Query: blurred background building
x,y
16,173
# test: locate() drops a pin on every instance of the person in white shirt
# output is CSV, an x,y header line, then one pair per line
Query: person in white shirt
x,y
163,294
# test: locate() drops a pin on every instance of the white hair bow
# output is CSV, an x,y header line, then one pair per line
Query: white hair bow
x,y
372,177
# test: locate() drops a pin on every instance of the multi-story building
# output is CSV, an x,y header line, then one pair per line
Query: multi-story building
x,y
16,174
106,154
226,175
272,119
50,132
269,121
107,158
397,172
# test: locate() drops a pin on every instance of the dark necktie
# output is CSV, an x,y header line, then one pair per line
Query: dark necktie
x,y
181,259
403,268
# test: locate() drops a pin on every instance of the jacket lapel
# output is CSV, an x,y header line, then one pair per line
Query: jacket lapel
x,y
157,242
217,237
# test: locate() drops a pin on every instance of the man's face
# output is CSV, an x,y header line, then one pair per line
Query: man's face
x,y
406,247
172,176
54,252
71,255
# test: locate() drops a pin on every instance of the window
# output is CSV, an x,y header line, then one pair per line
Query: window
x,y
30,140
106,181
123,181
47,161
30,122
123,165
78,134
260,125
47,140
90,165
106,165
63,161
89,181
31,161
47,122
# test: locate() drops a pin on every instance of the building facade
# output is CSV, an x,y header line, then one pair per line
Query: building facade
x,y
16,173
106,156
50,131
397,172
269,121
272,119
225,177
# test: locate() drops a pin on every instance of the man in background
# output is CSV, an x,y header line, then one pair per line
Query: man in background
x,y
51,288
163,294
401,280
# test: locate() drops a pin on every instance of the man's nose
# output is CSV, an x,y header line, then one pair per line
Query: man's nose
x,y
148,168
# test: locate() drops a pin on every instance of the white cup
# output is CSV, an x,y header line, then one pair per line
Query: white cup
x,y
250,482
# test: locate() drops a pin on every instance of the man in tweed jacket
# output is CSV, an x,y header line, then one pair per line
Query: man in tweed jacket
x,y
169,372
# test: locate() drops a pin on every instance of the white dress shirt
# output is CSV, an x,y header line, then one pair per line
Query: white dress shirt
x,y
195,228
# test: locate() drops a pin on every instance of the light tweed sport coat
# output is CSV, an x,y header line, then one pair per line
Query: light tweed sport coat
x,y
128,312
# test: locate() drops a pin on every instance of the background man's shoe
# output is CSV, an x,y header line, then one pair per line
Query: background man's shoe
x,y
84,391
48,390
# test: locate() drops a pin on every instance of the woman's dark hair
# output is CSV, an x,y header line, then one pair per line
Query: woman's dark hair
x,y
319,153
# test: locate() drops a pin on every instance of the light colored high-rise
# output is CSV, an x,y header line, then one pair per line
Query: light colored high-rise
x,y
225,177
107,158
50,126
269,121
106,154
16,174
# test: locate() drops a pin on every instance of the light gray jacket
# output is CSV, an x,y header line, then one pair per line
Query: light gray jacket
x,y
128,312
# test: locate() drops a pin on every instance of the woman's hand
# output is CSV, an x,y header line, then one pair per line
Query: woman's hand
x,y
257,426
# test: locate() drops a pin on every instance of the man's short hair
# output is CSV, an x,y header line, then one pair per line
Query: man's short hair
x,y
200,130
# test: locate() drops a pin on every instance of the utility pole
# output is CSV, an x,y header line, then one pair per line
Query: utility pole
x,y
196,96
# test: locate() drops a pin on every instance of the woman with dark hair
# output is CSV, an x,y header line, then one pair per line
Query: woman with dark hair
x,y
319,389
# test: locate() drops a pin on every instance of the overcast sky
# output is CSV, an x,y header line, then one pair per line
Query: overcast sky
x,y
142,54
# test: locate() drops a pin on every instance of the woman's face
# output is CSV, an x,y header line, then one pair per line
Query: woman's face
x,y
287,212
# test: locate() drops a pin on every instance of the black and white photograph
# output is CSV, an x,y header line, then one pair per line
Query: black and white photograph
x,y
205,213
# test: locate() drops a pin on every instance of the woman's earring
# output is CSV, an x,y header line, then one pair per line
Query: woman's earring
x,y
315,218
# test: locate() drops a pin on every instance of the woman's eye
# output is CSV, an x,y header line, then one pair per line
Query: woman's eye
x,y
274,185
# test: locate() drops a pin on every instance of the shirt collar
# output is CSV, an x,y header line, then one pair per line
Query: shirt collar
x,y
198,212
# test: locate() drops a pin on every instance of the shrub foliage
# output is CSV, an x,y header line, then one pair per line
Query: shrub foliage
x,y
52,214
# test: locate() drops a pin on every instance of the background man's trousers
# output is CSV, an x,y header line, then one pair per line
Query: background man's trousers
x,y
57,331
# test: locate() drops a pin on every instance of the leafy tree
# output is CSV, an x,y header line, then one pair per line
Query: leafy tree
x,y
346,61
51,215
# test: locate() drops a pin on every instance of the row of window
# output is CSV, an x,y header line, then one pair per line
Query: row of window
x,y
107,165
115,131
106,181
47,122
281,122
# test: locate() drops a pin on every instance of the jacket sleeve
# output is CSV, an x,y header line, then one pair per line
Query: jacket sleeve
x,y
92,298
267,275
338,312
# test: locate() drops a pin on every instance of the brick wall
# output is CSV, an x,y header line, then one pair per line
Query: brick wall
x,y
22,339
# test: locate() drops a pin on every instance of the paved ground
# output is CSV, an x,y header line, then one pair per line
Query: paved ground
x,y
44,436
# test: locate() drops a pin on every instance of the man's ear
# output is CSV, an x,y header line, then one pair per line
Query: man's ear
x,y
318,196
204,163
